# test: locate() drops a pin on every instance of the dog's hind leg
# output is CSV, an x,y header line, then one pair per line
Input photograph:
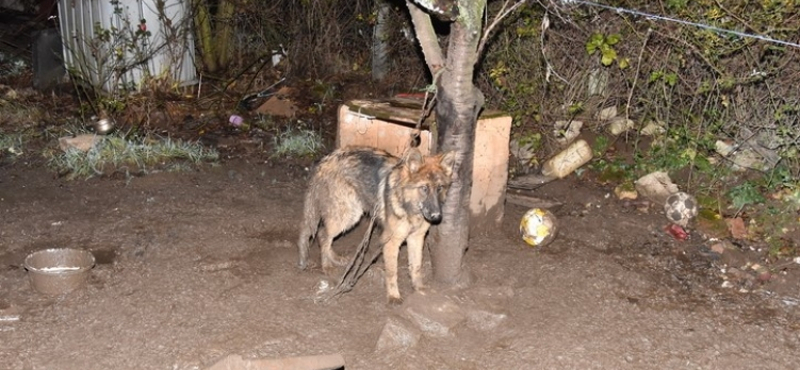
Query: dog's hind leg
x,y
308,229
333,226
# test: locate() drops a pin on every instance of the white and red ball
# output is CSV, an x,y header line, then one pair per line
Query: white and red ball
x,y
680,208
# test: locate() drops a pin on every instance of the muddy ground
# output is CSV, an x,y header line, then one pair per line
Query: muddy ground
x,y
192,267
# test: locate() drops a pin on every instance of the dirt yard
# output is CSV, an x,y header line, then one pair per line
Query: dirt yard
x,y
193,267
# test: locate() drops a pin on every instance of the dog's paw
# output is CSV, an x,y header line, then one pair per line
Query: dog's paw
x,y
395,301
330,270
337,260
422,289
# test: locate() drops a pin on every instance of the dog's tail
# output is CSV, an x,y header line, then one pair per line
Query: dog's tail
x,y
308,229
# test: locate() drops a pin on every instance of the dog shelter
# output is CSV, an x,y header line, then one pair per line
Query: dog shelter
x,y
390,124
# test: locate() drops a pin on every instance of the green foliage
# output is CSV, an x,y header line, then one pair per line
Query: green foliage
x,y
613,171
532,141
781,177
129,155
517,92
575,108
297,142
605,46
11,145
676,5
668,78
601,144
746,193
528,28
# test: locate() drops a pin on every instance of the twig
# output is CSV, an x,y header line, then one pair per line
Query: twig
x,y
548,67
200,86
502,14
636,74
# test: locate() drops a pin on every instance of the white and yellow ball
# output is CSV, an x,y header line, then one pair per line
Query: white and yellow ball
x,y
538,227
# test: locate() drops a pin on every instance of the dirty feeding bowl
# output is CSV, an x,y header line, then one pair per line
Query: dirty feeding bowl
x,y
58,271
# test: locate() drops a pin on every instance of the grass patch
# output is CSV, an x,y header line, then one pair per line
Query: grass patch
x,y
11,145
297,143
137,155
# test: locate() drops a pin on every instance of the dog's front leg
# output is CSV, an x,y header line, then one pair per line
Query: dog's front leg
x,y
391,250
415,243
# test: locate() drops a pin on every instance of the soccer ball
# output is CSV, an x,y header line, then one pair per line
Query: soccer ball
x,y
538,227
680,208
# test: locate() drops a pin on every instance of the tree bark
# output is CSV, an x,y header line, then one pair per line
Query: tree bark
x,y
458,103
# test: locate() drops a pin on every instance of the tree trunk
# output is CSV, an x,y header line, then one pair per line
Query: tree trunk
x,y
214,33
223,40
380,41
202,24
458,105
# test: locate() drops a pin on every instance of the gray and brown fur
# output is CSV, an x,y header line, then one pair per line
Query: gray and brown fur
x,y
405,194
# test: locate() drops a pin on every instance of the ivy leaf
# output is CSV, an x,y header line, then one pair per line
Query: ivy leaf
x,y
654,76
595,42
609,55
671,79
613,39
624,63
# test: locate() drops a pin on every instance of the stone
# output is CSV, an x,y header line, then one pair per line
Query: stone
x,y
434,314
653,128
656,186
397,333
598,82
482,320
620,125
624,192
567,131
83,142
279,104
607,113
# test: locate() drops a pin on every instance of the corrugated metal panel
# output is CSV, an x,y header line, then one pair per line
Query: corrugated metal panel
x,y
168,52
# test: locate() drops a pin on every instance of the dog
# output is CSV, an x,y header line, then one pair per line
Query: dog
x,y
405,194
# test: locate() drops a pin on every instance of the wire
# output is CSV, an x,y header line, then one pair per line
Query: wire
x,y
684,22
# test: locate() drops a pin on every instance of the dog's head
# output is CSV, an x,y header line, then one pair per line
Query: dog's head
x,y
426,180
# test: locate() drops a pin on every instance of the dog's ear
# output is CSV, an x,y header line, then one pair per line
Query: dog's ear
x,y
448,162
413,159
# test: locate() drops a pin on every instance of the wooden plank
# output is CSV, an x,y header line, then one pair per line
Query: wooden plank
x,y
322,362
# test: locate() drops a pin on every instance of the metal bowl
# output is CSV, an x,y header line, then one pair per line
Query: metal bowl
x,y
58,271
104,125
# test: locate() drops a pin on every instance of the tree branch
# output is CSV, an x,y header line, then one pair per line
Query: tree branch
x,y
423,28
502,14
